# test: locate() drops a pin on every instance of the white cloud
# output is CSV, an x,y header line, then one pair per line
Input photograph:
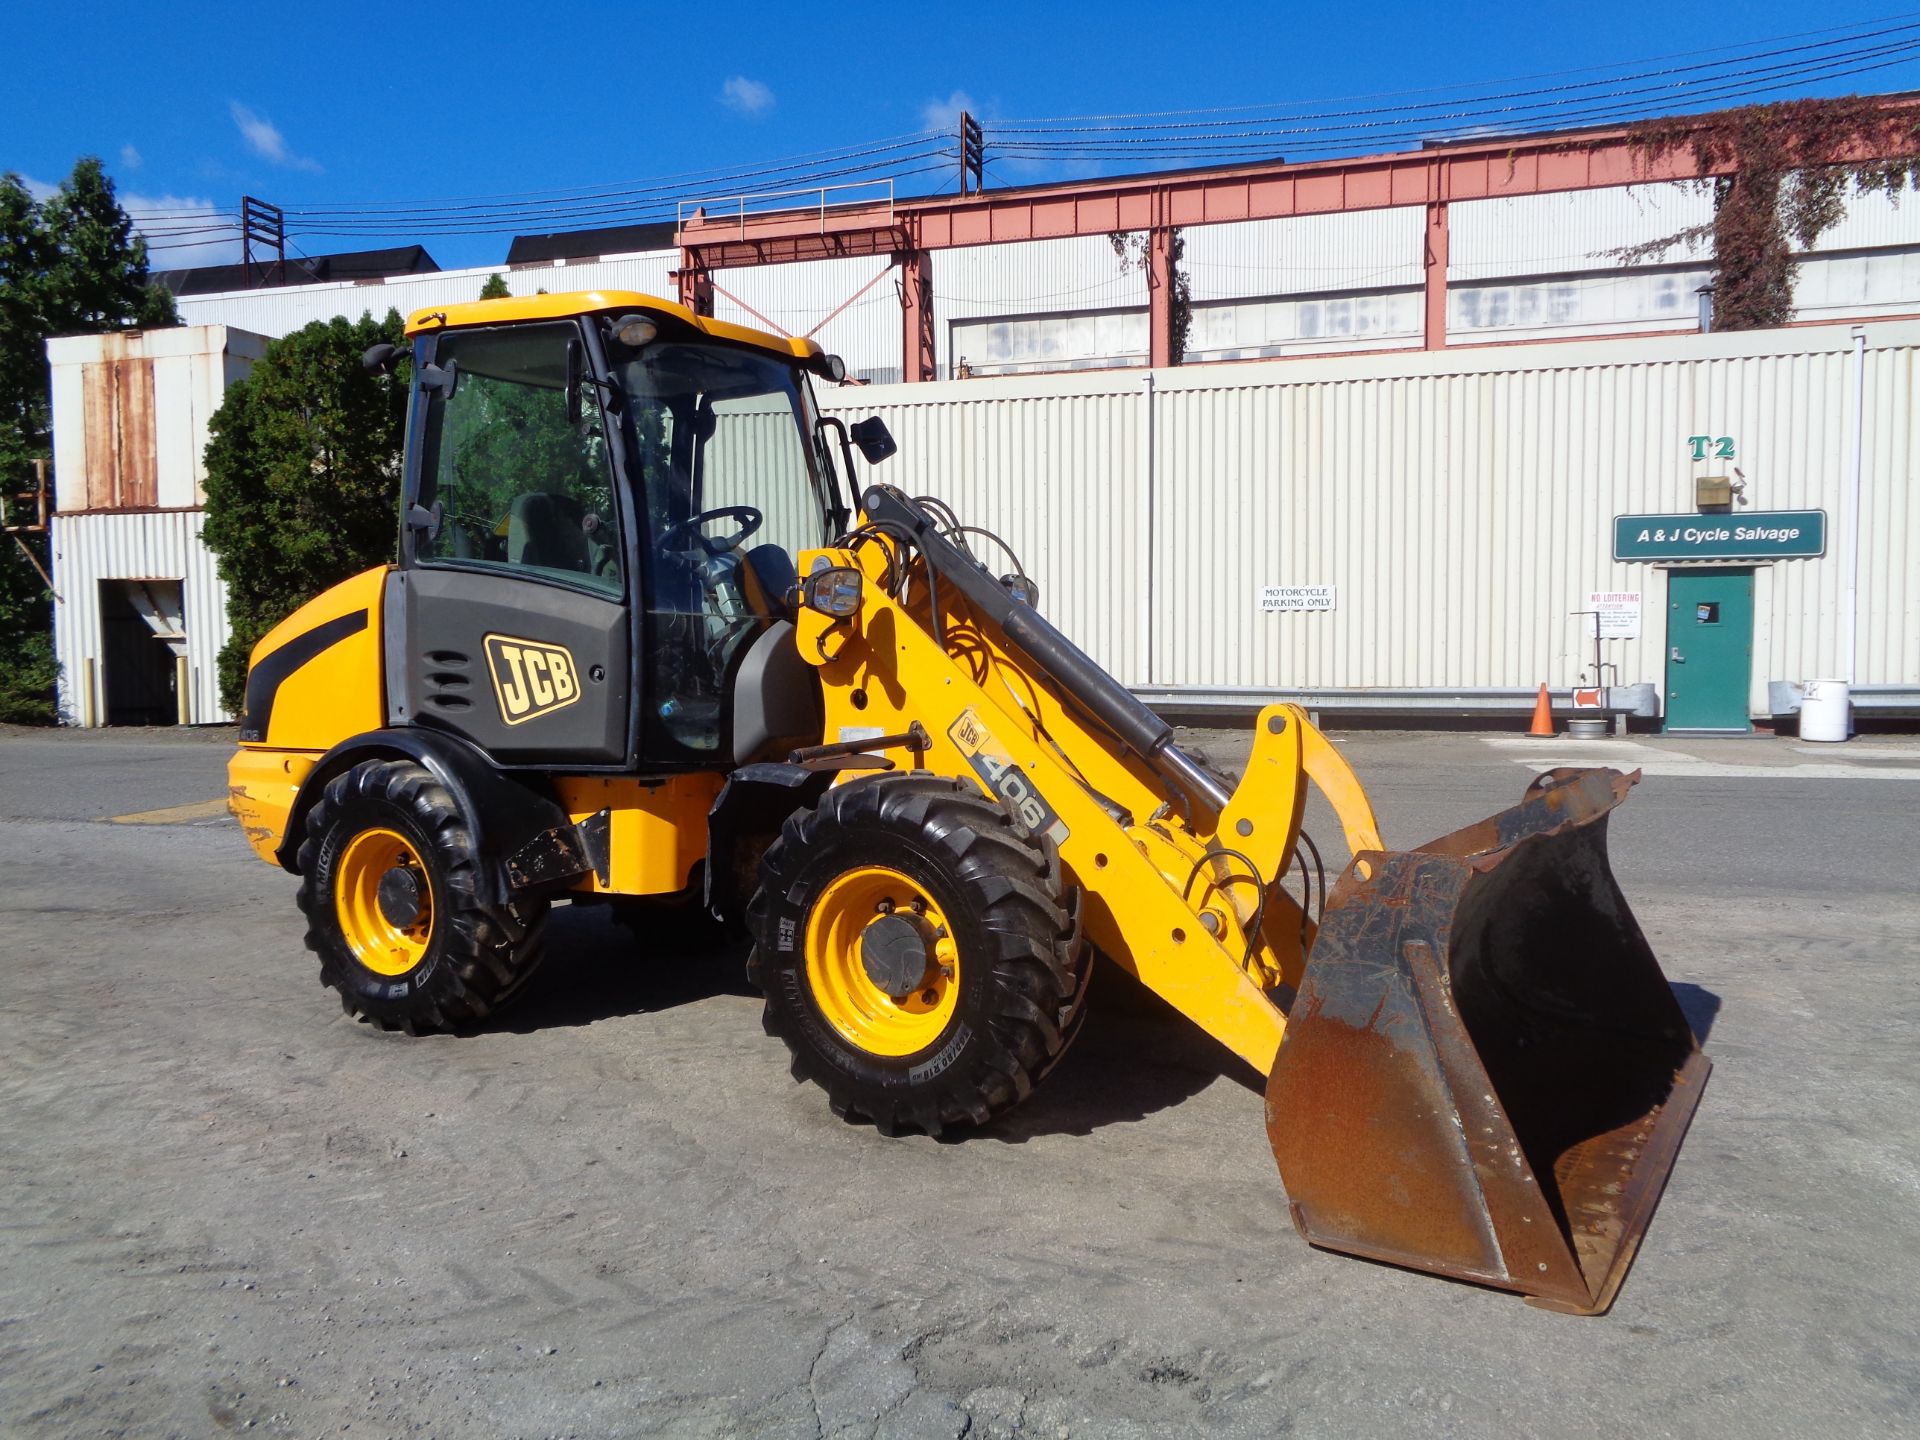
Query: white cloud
x,y
182,230
749,97
38,189
263,137
945,114
129,158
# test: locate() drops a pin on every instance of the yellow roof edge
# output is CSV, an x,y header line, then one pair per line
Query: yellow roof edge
x,y
569,303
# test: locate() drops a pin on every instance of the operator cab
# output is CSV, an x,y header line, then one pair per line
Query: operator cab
x,y
604,510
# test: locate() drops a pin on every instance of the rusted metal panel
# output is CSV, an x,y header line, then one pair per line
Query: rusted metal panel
x,y
1485,1073
122,465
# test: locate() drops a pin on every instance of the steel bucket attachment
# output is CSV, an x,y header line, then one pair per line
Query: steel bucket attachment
x,y
1484,1073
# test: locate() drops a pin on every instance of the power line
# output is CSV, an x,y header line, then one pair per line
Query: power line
x,y
1749,80
1516,79
1459,112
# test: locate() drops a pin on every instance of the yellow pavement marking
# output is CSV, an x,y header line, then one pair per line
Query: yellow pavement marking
x,y
175,814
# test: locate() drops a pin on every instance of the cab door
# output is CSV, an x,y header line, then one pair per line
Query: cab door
x,y
513,592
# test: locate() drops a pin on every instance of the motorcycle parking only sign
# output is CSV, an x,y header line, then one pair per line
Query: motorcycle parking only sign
x,y
1296,597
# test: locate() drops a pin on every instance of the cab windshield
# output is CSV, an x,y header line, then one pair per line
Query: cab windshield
x,y
719,426
734,486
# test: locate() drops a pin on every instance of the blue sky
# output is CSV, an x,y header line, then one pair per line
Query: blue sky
x,y
190,106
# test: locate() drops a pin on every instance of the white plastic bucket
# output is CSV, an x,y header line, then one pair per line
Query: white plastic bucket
x,y
1824,710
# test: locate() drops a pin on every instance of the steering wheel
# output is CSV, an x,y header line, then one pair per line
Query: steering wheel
x,y
684,534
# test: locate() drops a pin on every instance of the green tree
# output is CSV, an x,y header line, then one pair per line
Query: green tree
x,y
1779,175
495,289
303,477
69,265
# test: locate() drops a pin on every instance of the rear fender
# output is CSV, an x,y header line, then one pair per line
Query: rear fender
x,y
527,841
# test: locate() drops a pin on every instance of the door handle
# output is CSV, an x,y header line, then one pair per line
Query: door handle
x,y
1675,656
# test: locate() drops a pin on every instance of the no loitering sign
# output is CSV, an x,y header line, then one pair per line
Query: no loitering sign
x,y
1613,614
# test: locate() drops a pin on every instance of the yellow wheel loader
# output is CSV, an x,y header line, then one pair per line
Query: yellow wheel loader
x,y
648,643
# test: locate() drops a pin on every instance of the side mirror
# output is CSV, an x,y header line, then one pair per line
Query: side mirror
x,y
380,359
440,379
876,442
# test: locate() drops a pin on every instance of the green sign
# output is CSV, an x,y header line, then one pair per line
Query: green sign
x,y
1761,535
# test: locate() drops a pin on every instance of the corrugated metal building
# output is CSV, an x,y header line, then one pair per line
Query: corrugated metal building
x,y
1459,506
140,612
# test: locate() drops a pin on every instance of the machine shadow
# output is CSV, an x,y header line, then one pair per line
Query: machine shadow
x,y
1134,1056
596,969
1700,1006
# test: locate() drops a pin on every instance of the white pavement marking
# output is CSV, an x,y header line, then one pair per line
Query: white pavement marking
x,y
1860,752
1545,754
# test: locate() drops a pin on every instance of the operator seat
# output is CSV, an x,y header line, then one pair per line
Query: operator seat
x,y
554,532
773,567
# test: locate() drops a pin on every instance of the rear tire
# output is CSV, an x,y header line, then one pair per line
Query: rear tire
x,y
396,907
1004,986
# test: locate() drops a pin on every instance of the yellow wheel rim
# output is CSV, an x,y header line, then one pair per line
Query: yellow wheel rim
x,y
379,931
849,999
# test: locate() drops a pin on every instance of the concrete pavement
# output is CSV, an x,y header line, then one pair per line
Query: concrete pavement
x,y
224,1206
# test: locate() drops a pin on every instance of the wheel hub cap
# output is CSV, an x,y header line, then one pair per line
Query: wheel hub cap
x,y
400,896
895,951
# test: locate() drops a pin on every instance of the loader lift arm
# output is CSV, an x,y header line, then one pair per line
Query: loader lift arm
x,y
1422,988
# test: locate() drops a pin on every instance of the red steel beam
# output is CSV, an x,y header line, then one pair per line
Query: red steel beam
x,y
917,361
1527,166
1158,204
1435,277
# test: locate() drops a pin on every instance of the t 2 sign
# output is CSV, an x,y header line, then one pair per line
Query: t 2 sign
x,y
1711,447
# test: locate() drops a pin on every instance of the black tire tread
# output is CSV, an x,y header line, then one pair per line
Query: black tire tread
x,y
1038,962
488,951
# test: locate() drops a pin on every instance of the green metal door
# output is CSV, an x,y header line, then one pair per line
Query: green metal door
x,y
1709,649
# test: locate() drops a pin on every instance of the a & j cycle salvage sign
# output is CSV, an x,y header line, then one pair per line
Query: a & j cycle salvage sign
x,y
1762,535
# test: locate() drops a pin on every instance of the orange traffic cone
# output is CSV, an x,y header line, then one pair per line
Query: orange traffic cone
x,y
1542,715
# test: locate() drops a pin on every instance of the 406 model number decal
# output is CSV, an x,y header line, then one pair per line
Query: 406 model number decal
x,y
1004,778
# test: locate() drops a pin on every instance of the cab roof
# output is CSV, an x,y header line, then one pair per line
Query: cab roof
x,y
593,302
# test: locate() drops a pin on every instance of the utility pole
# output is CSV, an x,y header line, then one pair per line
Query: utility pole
x,y
973,159
266,226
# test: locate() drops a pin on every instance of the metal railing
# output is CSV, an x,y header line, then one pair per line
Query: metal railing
x,y
723,208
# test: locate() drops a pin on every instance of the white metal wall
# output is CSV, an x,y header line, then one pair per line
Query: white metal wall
x,y
798,299
1055,467
1307,255
1460,502
162,545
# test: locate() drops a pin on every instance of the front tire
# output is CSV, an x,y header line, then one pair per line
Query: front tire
x,y
917,953
396,906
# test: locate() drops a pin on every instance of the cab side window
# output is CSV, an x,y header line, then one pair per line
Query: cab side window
x,y
515,460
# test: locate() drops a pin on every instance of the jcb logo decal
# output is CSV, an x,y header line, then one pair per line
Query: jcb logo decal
x,y
530,678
